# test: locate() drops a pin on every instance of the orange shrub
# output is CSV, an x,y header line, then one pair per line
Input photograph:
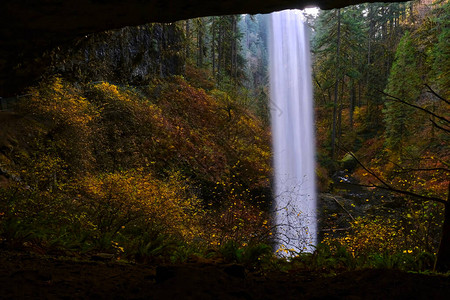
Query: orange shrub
x,y
124,201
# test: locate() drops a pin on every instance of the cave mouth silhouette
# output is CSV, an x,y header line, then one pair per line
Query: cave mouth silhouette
x,y
30,28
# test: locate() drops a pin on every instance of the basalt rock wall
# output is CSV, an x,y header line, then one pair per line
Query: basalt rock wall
x,y
131,55
31,28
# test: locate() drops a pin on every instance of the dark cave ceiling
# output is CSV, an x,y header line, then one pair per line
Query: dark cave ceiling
x,y
29,27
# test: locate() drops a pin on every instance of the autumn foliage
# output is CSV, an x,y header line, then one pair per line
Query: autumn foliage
x,y
133,171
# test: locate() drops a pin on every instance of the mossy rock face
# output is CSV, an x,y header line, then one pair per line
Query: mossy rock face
x,y
131,55
348,162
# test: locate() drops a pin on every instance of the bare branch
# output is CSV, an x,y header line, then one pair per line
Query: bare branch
x,y
436,94
406,170
387,186
395,190
342,206
335,229
421,170
367,170
416,106
439,127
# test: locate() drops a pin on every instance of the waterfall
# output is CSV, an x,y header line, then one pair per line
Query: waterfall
x,y
293,133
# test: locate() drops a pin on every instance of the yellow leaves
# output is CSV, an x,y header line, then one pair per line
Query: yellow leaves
x,y
122,195
119,249
283,249
60,102
369,236
112,92
184,126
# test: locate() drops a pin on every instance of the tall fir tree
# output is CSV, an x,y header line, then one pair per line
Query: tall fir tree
x,y
405,83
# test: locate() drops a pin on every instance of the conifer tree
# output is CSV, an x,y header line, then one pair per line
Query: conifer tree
x,y
405,83
441,51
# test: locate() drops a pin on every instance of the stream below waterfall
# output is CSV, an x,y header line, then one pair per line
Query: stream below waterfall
x,y
348,201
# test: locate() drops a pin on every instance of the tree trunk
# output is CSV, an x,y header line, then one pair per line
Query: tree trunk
x,y
369,53
219,54
188,39
339,117
199,43
336,86
213,47
234,49
232,66
443,256
359,94
352,98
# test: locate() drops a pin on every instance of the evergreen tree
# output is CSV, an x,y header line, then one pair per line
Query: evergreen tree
x,y
441,50
383,34
254,50
405,83
337,50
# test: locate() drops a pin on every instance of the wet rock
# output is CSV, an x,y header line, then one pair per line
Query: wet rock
x,y
131,55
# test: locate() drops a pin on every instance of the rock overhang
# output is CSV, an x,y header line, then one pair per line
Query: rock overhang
x,y
30,27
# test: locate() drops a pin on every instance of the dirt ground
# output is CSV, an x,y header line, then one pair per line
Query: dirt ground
x,y
29,276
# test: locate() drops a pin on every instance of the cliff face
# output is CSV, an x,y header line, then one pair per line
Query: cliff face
x,y
29,28
131,55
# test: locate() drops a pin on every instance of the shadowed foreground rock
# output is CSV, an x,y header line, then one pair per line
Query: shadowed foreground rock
x,y
24,276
